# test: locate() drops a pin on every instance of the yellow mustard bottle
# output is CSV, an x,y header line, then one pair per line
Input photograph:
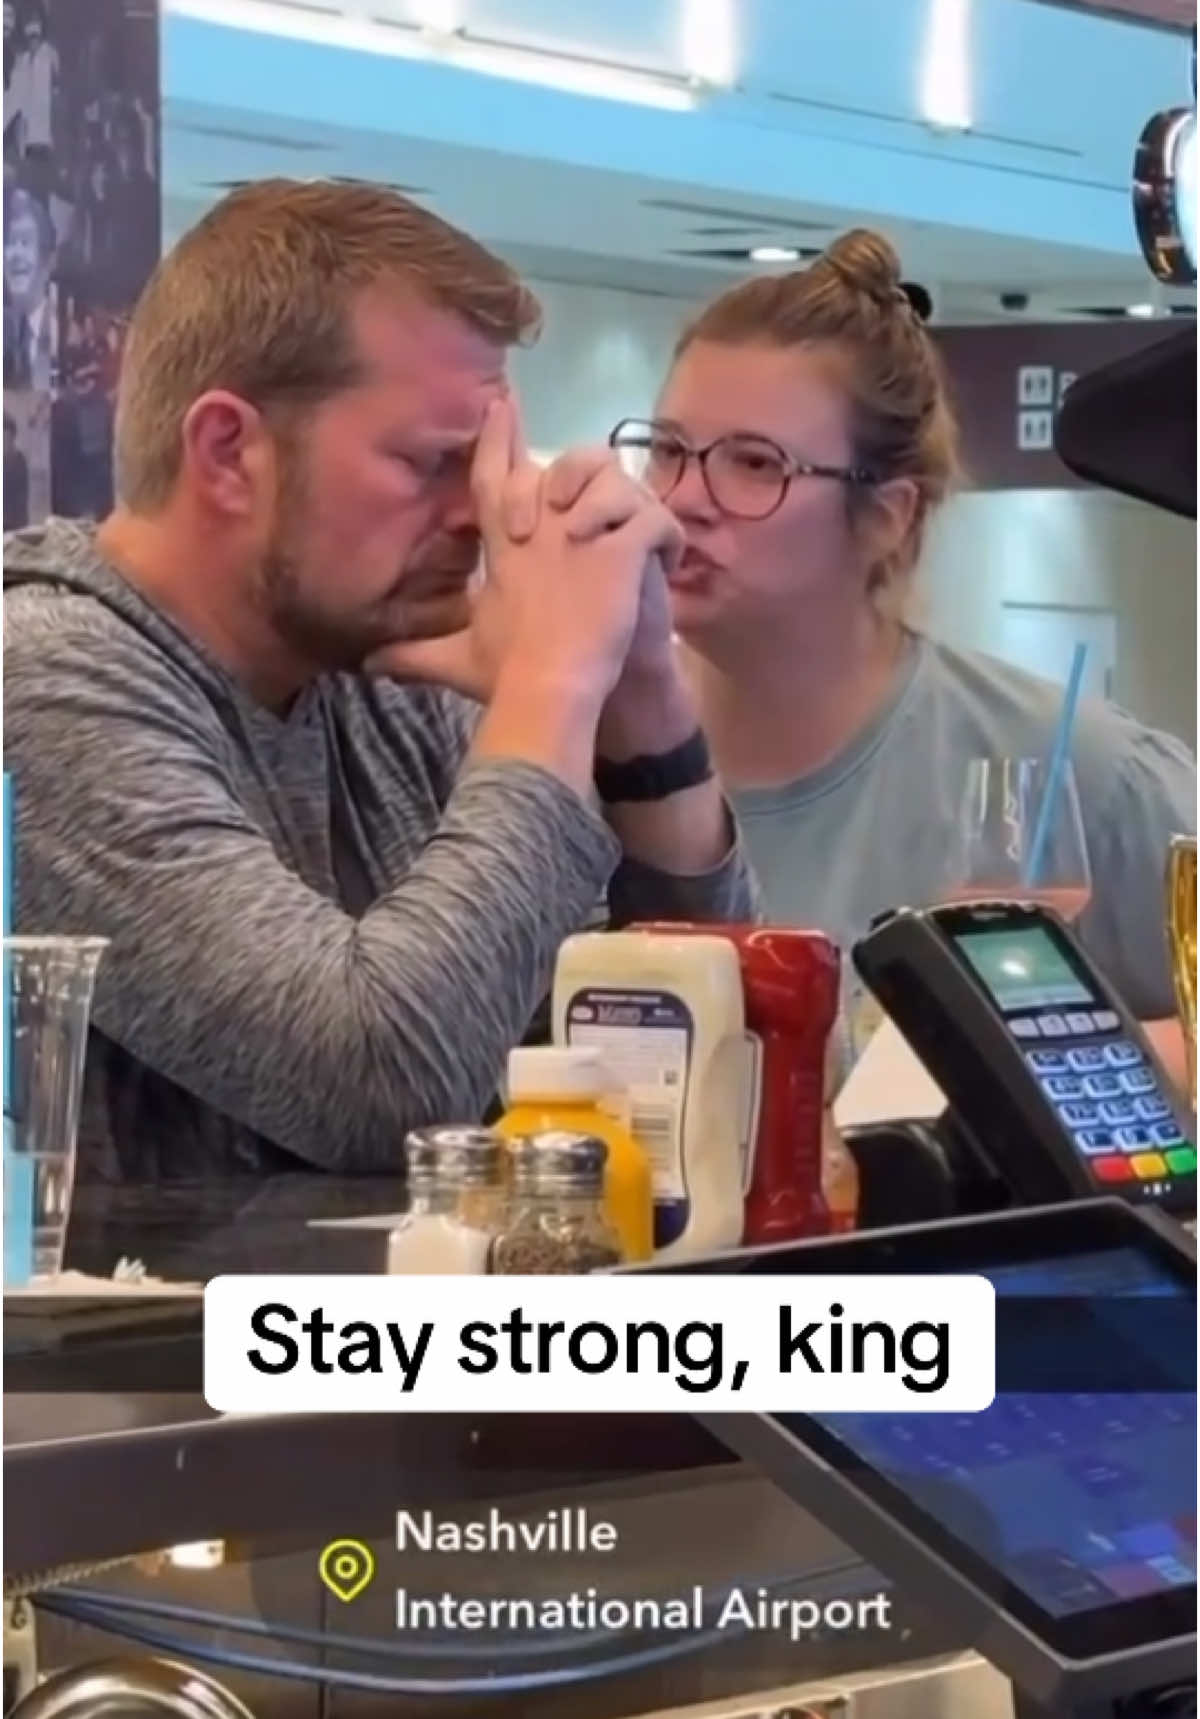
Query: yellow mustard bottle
x,y
552,1087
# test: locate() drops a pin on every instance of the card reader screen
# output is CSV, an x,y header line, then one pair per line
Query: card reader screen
x,y
1081,1501
1024,969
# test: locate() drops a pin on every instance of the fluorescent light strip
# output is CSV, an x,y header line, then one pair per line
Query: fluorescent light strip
x,y
946,73
442,15
709,38
578,76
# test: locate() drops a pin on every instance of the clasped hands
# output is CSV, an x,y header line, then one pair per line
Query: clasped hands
x,y
574,579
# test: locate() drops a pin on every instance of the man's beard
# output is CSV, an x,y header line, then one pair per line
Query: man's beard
x,y
427,599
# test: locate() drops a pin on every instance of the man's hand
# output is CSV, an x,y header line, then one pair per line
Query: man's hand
x,y
651,652
559,606
651,709
559,546
466,661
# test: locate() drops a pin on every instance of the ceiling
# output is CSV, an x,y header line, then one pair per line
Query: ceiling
x,y
1031,203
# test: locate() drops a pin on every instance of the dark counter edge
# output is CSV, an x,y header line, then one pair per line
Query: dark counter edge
x,y
321,1476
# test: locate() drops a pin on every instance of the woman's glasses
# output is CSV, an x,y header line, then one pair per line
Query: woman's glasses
x,y
746,476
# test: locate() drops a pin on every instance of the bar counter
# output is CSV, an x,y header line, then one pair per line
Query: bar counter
x,y
87,1467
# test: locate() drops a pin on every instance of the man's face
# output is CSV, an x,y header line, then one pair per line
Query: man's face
x,y
23,260
10,19
373,538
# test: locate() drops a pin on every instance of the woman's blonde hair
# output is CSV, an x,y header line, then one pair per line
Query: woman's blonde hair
x,y
851,300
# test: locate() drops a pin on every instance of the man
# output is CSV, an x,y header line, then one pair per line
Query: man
x,y
334,899
29,334
33,86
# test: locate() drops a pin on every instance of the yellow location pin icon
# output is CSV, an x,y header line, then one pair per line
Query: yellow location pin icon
x,y
346,1568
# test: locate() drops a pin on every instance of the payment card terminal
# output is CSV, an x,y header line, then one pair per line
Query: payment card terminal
x,y
1045,1069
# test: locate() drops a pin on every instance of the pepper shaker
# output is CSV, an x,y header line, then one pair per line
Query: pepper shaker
x,y
556,1222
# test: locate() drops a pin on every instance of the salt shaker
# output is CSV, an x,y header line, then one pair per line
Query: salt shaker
x,y
456,1202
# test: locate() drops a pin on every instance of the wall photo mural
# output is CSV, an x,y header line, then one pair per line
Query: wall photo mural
x,y
82,232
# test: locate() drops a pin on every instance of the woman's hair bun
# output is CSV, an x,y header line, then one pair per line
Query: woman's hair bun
x,y
868,262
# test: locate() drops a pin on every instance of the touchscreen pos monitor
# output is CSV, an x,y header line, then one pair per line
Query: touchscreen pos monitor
x,y
1057,1528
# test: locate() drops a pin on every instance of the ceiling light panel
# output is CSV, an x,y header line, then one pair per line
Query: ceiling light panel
x,y
358,25
946,66
709,40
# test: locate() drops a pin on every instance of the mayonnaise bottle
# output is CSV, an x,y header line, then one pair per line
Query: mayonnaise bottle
x,y
666,1014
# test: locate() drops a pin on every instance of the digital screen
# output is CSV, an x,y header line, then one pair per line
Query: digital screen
x,y
1024,969
1080,1501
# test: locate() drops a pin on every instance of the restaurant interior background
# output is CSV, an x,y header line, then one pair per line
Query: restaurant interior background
x,y
626,216
687,143
633,158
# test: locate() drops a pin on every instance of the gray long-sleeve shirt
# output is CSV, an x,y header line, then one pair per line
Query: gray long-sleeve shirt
x,y
325,930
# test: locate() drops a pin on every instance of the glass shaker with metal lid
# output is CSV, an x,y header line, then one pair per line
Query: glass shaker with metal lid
x,y
456,1201
556,1220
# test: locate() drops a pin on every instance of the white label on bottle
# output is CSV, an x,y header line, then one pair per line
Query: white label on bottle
x,y
645,1038
752,1075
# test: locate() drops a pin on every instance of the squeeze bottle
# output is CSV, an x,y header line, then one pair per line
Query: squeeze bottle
x,y
793,1160
665,1013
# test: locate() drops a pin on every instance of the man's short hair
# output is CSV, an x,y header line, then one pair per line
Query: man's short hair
x,y
256,299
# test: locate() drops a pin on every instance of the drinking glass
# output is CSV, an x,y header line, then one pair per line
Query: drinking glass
x,y
991,848
47,995
1181,939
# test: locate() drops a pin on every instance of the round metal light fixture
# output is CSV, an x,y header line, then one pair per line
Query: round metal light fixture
x,y
1164,192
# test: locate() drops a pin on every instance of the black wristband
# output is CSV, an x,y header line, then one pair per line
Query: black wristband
x,y
655,776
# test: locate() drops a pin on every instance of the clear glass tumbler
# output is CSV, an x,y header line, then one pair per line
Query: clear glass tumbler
x,y
991,853
47,1000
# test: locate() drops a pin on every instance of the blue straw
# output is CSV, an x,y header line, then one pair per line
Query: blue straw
x,y
1060,752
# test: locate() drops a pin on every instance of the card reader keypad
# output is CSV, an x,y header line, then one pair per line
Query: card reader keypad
x,y
1108,1096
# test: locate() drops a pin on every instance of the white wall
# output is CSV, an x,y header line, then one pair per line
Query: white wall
x,y
1080,549
601,357
603,353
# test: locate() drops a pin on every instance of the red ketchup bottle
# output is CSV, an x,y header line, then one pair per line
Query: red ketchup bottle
x,y
790,981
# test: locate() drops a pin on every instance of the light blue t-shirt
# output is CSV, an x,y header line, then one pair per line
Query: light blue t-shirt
x,y
874,828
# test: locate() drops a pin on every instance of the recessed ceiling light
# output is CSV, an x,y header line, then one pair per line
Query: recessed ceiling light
x,y
774,254
1141,310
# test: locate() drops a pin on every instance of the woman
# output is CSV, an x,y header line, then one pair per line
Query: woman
x,y
844,736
